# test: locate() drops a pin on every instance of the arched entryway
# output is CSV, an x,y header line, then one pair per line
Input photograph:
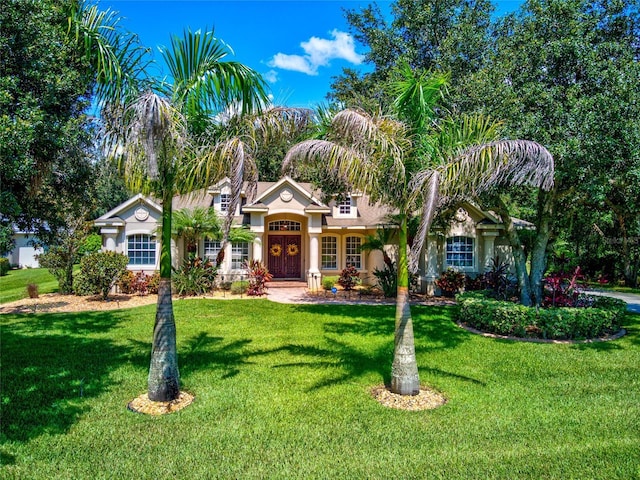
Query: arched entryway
x,y
284,249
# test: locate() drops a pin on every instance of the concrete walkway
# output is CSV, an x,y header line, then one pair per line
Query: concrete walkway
x,y
632,299
297,292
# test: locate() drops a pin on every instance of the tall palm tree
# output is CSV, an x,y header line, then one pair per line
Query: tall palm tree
x,y
413,162
161,138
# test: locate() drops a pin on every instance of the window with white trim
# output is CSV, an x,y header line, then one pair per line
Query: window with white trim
x,y
211,249
329,253
352,250
225,201
141,249
459,252
239,254
344,207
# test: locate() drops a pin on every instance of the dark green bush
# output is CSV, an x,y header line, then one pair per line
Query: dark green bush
x,y
4,266
195,277
329,281
99,272
603,317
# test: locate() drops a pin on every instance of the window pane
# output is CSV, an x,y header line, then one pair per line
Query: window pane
x,y
211,250
354,257
459,252
329,253
239,254
141,249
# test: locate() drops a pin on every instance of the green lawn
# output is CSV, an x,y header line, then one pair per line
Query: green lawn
x,y
13,286
282,391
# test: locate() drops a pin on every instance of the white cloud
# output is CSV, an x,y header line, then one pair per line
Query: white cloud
x,y
318,53
271,76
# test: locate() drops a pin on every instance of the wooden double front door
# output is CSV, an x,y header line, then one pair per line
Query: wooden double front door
x,y
285,256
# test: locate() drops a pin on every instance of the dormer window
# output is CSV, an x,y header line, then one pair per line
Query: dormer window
x,y
344,207
225,202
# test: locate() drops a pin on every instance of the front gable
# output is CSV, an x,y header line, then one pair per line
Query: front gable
x,y
286,196
138,210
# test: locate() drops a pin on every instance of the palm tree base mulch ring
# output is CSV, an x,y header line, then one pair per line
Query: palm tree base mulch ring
x,y
427,399
142,404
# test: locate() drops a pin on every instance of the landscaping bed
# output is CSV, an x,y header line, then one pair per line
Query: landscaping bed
x,y
601,318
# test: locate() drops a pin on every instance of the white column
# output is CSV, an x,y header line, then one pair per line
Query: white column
x,y
488,249
314,255
431,273
257,247
110,235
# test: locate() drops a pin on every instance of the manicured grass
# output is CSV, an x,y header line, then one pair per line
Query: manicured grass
x,y
13,286
615,288
282,391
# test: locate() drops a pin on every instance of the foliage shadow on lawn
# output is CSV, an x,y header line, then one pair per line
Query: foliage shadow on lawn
x,y
47,375
200,352
433,330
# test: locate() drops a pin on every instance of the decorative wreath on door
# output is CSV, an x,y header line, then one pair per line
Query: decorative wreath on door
x,y
275,250
292,250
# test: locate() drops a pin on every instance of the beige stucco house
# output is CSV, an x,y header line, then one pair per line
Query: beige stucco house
x,y
298,237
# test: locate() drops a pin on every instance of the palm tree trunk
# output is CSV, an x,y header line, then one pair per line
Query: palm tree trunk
x,y
164,378
404,371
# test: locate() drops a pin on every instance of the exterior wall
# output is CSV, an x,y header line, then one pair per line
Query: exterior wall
x,y
24,253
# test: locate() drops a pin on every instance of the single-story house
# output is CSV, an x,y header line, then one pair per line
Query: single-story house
x,y
298,237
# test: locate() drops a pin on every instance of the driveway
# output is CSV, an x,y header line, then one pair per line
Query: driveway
x,y
632,299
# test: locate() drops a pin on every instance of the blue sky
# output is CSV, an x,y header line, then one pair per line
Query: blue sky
x,y
297,45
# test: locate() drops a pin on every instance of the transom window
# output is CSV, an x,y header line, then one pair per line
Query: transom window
x,y
211,249
459,252
344,207
354,256
329,253
141,249
239,254
225,201
284,225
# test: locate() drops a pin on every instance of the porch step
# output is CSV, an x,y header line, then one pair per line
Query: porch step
x,y
286,284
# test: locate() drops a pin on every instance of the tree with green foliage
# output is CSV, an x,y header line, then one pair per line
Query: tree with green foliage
x,y
565,73
161,138
414,161
57,56
192,224
438,35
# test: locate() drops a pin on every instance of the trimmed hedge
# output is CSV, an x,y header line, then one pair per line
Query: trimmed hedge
x,y
4,266
603,317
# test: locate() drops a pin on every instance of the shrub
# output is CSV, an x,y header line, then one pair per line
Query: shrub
x,y
387,279
125,282
258,276
239,287
349,278
450,282
32,290
329,281
92,244
562,289
153,282
195,277
99,272
59,262
4,266
508,318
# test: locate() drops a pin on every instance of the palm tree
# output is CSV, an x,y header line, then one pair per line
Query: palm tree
x,y
161,140
413,163
193,224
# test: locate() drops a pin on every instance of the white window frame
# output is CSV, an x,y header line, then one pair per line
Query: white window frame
x,y
239,254
344,207
210,250
459,252
334,255
349,255
225,202
144,239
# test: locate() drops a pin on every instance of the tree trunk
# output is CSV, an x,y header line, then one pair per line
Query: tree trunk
x,y
519,259
546,201
164,378
404,371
